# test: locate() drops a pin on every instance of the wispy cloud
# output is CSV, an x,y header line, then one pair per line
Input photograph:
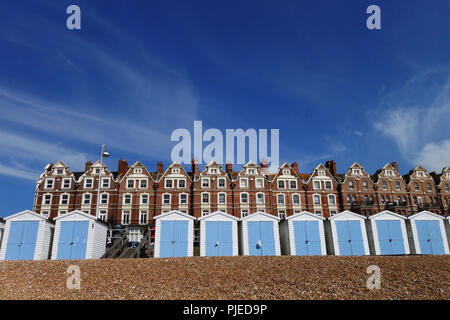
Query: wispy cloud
x,y
417,119
358,133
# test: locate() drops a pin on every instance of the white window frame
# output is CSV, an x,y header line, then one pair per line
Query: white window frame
x,y
278,184
146,183
178,183
224,197
108,184
263,198
141,214
299,199
170,198
63,183
100,213
224,183
242,213
209,197
240,197
295,181
85,183
241,184
171,183
320,199
314,185
61,199
52,180
282,214
278,198
325,185
123,216
331,196
107,197
179,198
205,179
141,197
256,183
44,200
125,197
84,198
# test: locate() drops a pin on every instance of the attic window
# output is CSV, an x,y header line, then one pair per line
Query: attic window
x,y
389,173
251,171
321,173
286,171
357,172
175,170
97,170
59,171
420,174
213,170
137,170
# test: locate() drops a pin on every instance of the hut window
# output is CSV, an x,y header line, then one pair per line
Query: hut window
x,y
221,197
183,198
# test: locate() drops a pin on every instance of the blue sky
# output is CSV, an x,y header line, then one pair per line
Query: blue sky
x,y
136,72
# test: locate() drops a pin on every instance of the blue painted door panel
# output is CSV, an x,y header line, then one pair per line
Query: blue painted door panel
x,y
343,238
173,238
166,238
80,235
29,240
261,240
65,240
430,238
254,236
211,238
350,238
225,238
22,240
390,237
268,238
307,238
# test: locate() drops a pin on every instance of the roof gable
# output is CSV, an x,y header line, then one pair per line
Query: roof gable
x,y
218,213
174,212
305,213
387,212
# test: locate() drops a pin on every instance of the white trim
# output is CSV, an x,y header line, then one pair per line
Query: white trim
x,y
388,215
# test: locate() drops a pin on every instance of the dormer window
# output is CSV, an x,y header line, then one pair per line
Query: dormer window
x,y
420,173
59,171
357,172
213,171
321,173
97,170
286,171
138,170
251,171
389,173
175,170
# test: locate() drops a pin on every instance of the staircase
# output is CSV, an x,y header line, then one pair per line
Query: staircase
x,y
116,249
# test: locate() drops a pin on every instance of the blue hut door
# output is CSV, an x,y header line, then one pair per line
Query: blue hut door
x,y
307,238
390,237
73,240
173,238
350,238
218,238
430,238
22,240
261,240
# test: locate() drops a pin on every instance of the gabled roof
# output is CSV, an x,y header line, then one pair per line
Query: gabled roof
x,y
320,166
347,212
25,212
262,214
174,164
389,213
425,212
303,213
174,212
287,165
77,212
218,213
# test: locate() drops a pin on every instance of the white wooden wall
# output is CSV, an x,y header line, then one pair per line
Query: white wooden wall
x,y
218,218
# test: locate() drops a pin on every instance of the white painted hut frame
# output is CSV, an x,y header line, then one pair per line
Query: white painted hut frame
x,y
256,217
427,215
388,215
43,238
219,216
348,216
306,216
174,215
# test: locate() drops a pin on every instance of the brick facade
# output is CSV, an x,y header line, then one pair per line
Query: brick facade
x,y
133,195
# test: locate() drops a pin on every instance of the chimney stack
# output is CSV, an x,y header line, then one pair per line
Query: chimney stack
x,y
395,165
87,165
265,166
331,165
194,164
229,167
159,167
123,167
295,167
